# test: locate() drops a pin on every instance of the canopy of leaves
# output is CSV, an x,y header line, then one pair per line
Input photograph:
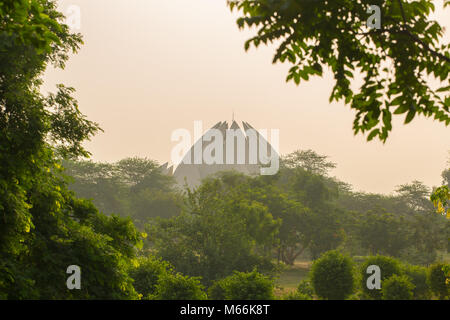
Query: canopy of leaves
x,y
397,62
332,276
397,288
43,227
243,286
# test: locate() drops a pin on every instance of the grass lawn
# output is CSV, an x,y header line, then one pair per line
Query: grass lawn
x,y
291,277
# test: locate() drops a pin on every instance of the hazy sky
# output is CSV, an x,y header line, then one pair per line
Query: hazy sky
x,y
150,67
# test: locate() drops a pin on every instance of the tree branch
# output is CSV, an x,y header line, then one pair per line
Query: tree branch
x,y
403,12
426,46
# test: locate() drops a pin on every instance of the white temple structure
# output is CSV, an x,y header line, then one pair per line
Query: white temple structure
x,y
224,148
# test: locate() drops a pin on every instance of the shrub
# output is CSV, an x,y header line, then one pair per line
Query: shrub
x,y
437,280
147,273
332,276
305,288
388,266
178,287
397,288
295,295
418,277
243,286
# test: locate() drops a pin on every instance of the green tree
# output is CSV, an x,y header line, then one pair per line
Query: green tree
x,y
134,187
332,276
418,277
219,232
308,160
178,287
416,195
397,288
146,273
320,228
395,61
438,281
243,286
384,233
43,227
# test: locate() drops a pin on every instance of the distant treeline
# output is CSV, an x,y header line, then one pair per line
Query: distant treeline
x,y
236,222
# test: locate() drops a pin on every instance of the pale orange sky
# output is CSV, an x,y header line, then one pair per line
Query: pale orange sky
x,y
149,67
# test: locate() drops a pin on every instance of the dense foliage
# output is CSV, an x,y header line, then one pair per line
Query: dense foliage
x,y
134,187
332,276
44,228
397,288
234,232
243,286
437,280
396,61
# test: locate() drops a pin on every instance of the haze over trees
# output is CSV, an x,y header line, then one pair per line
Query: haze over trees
x,y
136,235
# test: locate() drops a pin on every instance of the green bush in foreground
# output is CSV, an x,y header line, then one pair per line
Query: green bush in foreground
x,y
243,286
305,288
332,276
178,287
397,288
295,295
437,281
147,273
418,277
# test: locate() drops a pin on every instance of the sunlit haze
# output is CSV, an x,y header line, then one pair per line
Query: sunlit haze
x,y
150,67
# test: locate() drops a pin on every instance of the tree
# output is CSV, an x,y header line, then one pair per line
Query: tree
x,y
243,286
134,187
146,273
384,233
219,231
44,228
310,161
418,277
395,60
98,182
332,276
178,287
319,230
441,199
397,288
294,234
416,196
438,281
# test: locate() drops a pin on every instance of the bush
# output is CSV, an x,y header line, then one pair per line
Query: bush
x,y
437,280
243,286
178,287
397,288
305,288
418,277
332,276
388,266
295,295
147,273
